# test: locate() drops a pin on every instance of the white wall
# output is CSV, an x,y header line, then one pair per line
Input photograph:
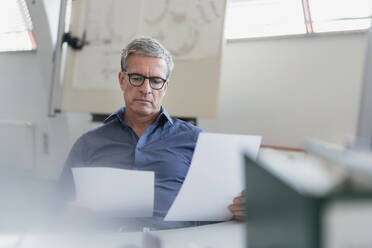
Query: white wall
x,y
364,131
293,88
24,92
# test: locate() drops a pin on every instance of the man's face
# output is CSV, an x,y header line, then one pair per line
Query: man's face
x,y
143,100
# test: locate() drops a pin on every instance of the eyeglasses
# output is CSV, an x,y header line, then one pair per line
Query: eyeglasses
x,y
137,80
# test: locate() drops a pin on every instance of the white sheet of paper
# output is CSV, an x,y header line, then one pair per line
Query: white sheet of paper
x,y
215,177
115,192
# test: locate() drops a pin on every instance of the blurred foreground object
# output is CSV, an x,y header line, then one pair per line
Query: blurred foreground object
x,y
220,235
317,200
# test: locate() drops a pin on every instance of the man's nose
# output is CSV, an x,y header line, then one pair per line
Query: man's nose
x,y
145,87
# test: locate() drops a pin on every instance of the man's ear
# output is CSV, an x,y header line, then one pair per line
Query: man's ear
x,y
165,88
121,80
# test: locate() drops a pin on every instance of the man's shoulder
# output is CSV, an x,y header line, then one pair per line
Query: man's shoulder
x,y
186,126
103,130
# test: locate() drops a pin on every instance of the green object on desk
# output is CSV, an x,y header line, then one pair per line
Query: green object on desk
x,y
277,215
280,216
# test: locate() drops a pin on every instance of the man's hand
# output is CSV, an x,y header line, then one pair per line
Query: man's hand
x,y
238,207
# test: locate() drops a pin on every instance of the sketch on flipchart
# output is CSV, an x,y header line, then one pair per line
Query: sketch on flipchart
x,y
189,29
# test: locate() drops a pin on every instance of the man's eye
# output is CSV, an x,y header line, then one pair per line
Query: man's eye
x,y
156,80
137,79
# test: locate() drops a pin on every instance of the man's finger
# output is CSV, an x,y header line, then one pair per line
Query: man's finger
x,y
235,207
239,215
239,200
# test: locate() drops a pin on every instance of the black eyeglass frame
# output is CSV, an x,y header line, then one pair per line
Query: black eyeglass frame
x,y
143,81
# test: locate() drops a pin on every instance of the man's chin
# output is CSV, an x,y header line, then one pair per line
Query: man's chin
x,y
145,111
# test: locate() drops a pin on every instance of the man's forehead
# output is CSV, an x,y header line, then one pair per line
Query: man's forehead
x,y
138,61
134,57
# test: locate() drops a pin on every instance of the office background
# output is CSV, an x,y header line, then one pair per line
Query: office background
x,y
285,89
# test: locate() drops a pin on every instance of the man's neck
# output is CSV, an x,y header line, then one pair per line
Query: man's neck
x,y
139,123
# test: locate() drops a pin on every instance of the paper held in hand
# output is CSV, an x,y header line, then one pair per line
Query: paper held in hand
x,y
115,192
215,177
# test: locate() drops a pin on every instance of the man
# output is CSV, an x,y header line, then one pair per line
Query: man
x,y
142,136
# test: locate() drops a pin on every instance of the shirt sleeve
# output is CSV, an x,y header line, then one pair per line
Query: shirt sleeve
x,y
198,130
65,185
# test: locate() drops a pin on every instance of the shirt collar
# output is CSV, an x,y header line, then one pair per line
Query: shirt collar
x,y
164,113
119,114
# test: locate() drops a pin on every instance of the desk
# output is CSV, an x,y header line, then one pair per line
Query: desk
x,y
220,235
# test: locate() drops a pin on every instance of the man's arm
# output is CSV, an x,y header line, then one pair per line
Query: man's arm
x,y
65,186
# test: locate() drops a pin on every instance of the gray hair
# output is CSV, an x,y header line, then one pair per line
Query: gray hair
x,y
149,47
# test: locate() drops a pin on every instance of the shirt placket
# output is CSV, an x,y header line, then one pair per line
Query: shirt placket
x,y
141,157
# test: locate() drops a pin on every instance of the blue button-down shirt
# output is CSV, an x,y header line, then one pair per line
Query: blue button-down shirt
x,y
166,148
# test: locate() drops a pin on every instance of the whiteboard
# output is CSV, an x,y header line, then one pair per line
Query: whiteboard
x,y
192,30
